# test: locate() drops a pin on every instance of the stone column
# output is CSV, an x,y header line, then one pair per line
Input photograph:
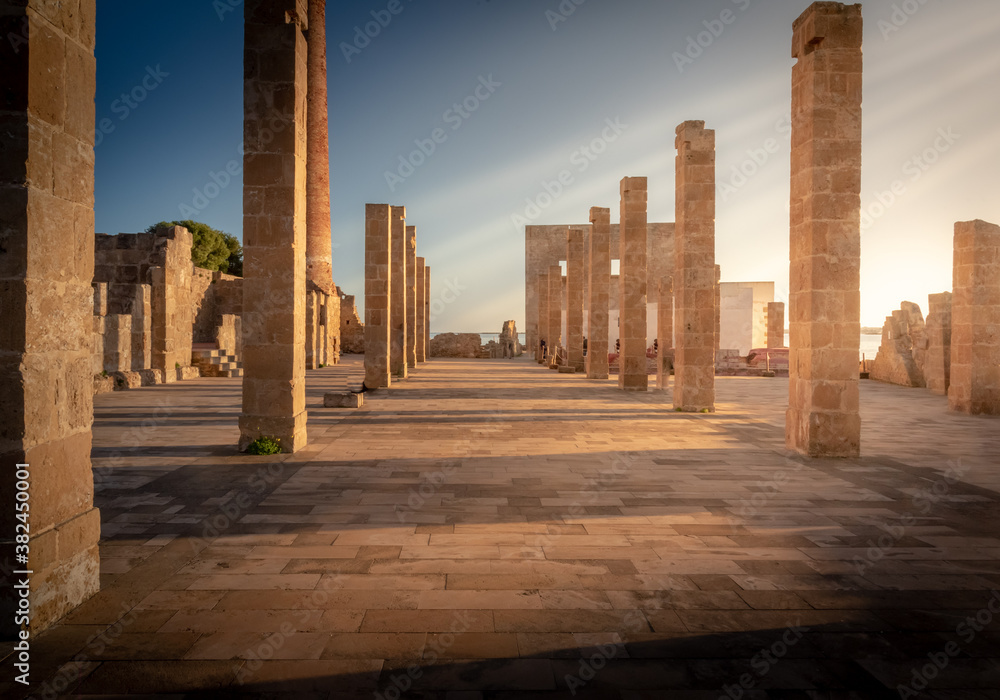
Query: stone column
x,y
397,294
575,271
46,331
776,324
312,329
937,366
665,333
600,292
378,273
825,280
543,316
142,328
975,320
696,274
411,296
319,253
421,336
274,225
170,302
427,309
118,343
718,307
632,372
554,305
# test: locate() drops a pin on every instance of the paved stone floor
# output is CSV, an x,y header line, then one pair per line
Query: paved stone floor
x,y
493,529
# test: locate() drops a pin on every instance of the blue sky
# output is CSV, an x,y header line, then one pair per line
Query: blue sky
x,y
551,77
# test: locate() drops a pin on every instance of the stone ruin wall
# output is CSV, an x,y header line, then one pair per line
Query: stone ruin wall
x,y
152,305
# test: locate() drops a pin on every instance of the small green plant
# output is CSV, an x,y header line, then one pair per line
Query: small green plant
x,y
321,365
104,373
177,365
264,446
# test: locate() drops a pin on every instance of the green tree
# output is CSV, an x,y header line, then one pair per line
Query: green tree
x,y
211,249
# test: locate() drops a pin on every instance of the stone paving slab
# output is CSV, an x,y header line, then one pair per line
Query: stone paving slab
x,y
491,529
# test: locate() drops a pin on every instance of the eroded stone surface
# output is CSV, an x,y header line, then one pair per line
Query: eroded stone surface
x,y
378,273
632,373
975,320
575,284
696,277
776,324
599,291
901,356
825,252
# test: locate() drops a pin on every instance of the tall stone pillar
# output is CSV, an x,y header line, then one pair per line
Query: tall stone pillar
x,y
696,274
632,371
776,324
575,282
46,269
600,293
543,316
825,251
171,312
397,294
274,225
718,307
975,320
937,364
427,309
665,333
421,315
411,296
319,253
378,274
313,329
555,287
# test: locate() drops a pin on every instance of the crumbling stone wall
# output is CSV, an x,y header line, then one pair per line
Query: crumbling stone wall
x,y
901,356
352,329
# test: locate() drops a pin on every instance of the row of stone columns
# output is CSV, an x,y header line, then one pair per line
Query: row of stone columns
x,y
397,297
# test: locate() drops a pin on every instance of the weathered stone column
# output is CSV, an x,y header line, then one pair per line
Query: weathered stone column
x,y
975,320
776,324
696,274
632,370
554,325
142,328
378,273
421,333
543,316
274,224
319,252
411,296
718,307
665,333
575,272
825,251
937,365
600,292
171,312
427,309
397,294
313,329
46,269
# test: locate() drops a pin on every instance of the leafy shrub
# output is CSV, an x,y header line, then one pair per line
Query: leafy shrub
x,y
264,446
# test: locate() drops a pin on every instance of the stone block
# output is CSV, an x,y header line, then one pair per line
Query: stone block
x,y
343,399
632,374
599,290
